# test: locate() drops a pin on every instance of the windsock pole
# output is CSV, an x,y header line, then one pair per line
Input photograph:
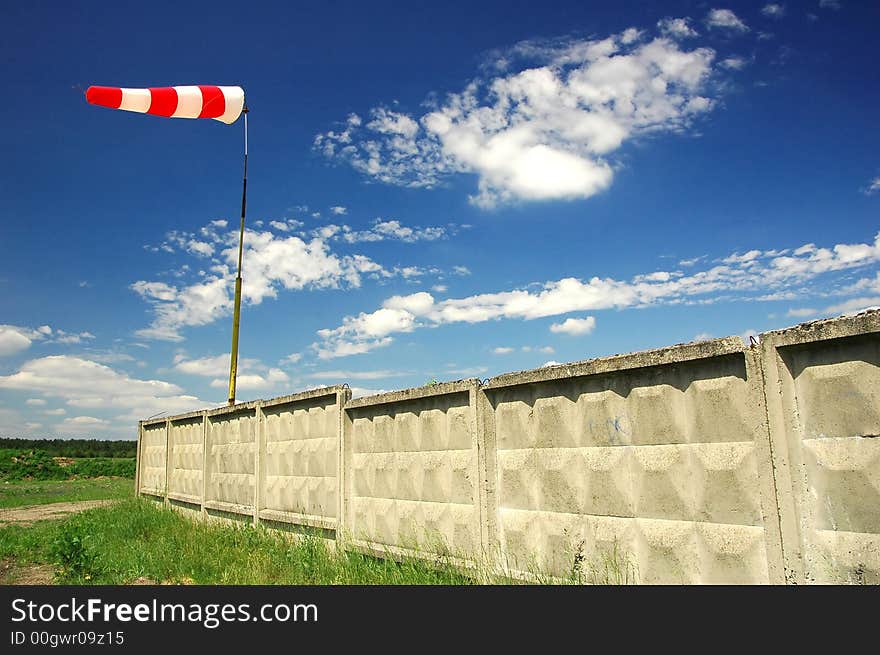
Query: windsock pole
x,y
236,314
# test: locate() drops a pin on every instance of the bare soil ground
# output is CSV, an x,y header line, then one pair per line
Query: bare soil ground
x,y
27,574
33,513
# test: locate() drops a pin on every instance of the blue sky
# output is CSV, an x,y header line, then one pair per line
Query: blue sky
x,y
436,191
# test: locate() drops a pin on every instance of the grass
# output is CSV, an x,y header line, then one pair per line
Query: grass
x,y
39,492
136,539
139,540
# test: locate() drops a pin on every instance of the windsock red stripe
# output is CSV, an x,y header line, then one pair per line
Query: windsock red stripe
x,y
163,101
213,102
104,96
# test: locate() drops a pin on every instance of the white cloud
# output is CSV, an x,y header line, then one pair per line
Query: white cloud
x,y
83,425
271,263
677,28
253,381
12,340
544,132
750,277
734,63
338,210
773,10
35,402
85,384
440,288
575,326
392,230
873,186
725,19
503,350
15,338
292,358
851,306
60,411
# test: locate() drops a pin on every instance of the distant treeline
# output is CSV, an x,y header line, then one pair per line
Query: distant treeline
x,y
74,447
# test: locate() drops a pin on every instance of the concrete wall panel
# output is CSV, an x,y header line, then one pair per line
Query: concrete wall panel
x,y
186,442
300,459
232,444
153,459
824,390
412,463
658,464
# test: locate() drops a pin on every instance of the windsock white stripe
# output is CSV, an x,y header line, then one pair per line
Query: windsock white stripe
x,y
234,96
189,102
136,100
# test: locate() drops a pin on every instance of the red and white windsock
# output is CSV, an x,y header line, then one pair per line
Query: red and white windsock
x,y
222,103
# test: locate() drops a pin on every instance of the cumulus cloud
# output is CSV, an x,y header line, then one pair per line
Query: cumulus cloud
x,y
254,381
677,28
339,210
12,340
272,262
725,19
574,326
84,384
503,350
546,131
873,186
15,338
754,275
252,373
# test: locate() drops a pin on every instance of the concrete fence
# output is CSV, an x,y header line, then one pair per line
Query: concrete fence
x,y
709,462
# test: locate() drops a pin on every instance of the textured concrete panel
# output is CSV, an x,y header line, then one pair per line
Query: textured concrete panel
x,y
658,464
232,443
824,397
300,459
186,441
412,471
152,464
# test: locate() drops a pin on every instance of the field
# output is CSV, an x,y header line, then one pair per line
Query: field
x,y
38,492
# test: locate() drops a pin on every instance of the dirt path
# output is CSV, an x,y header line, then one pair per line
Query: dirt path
x,y
34,513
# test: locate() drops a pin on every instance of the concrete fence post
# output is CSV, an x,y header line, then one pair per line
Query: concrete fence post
x,y
139,459
206,461
167,459
484,431
259,459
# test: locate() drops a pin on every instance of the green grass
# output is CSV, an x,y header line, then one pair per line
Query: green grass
x,y
40,492
137,539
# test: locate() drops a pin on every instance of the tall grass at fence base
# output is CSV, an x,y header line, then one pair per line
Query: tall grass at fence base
x,y
137,540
